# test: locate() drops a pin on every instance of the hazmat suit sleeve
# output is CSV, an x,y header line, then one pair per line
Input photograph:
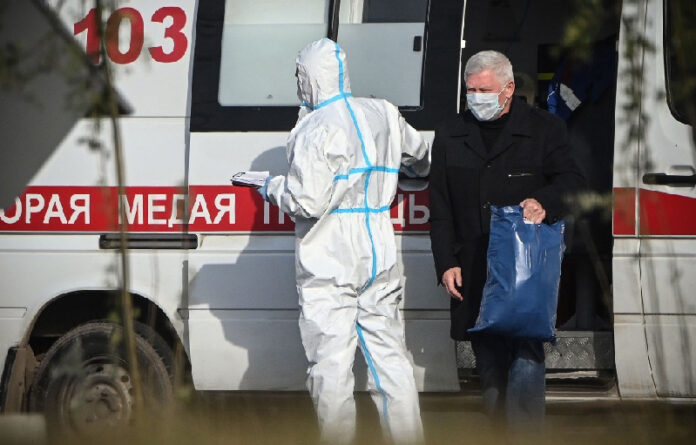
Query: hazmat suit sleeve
x,y
415,156
306,189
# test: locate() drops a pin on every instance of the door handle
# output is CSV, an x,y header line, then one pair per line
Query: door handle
x,y
149,241
417,43
670,180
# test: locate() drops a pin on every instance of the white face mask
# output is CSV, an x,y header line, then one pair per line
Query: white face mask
x,y
485,106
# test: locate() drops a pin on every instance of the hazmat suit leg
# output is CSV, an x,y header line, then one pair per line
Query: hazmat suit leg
x,y
329,337
333,322
390,369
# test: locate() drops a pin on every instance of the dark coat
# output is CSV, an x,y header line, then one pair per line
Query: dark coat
x,y
530,159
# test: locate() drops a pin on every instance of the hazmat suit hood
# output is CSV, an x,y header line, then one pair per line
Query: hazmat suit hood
x,y
322,73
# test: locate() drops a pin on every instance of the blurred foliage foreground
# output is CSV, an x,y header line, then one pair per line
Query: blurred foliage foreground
x,y
288,418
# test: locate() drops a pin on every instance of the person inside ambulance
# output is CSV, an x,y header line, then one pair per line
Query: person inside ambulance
x,y
500,151
345,155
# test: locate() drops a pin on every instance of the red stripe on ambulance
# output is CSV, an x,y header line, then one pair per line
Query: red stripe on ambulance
x,y
661,214
624,211
666,214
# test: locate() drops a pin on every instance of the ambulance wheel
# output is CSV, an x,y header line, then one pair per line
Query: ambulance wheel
x,y
83,384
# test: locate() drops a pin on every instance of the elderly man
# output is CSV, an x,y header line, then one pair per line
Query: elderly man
x,y
501,151
345,154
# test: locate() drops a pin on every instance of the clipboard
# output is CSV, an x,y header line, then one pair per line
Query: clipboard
x,y
250,178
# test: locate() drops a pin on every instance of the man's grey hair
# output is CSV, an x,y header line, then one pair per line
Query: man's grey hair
x,y
490,60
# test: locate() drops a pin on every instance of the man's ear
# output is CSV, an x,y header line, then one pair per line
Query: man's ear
x,y
510,89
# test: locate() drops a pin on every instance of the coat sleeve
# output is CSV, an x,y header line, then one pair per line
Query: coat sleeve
x,y
306,189
415,153
442,234
563,177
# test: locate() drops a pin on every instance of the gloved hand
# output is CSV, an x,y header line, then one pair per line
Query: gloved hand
x,y
263,190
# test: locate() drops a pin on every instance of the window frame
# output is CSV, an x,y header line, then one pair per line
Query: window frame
x,y
667,51
439,72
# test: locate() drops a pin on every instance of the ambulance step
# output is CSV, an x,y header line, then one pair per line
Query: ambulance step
x,y
574,350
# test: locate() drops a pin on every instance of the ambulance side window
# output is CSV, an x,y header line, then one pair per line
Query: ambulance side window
x,y
260,40
244,62
680,65
405,51
384,40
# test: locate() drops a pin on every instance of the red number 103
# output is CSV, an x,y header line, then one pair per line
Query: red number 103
x,y
137,27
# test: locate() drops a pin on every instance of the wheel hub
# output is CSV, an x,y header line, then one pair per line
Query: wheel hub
x,y
102,398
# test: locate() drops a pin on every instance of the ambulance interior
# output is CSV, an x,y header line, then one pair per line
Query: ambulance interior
x,y
578,84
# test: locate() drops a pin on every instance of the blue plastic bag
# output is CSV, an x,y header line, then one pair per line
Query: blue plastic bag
x,y
524,269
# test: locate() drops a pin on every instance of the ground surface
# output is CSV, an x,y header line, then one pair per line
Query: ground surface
x,y
288,418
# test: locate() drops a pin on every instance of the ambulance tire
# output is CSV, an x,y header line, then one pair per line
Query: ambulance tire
x,y
83,384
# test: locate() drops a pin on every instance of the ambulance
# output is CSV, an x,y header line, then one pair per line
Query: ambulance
x,y
209,90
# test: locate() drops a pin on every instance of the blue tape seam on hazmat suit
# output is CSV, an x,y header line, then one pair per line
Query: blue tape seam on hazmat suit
x,y
368,359
363,170
366,210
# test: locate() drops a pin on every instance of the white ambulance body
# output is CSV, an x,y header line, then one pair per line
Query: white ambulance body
x,y
654,256
212,91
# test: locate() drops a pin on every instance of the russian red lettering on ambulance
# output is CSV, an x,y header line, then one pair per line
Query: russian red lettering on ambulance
x,y
162,209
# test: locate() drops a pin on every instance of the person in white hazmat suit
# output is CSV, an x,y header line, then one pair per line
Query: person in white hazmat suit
x,y
345,154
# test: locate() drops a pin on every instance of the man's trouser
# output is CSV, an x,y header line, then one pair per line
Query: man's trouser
x,y
512,373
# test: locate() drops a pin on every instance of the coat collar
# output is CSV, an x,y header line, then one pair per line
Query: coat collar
x,y
466,127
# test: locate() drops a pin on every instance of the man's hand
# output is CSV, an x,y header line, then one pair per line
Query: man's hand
x,y
450,278
533,211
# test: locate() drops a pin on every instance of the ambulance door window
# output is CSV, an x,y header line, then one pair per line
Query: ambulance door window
x,y
260,40
244,58
385,43
581,91
680,65
244,62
